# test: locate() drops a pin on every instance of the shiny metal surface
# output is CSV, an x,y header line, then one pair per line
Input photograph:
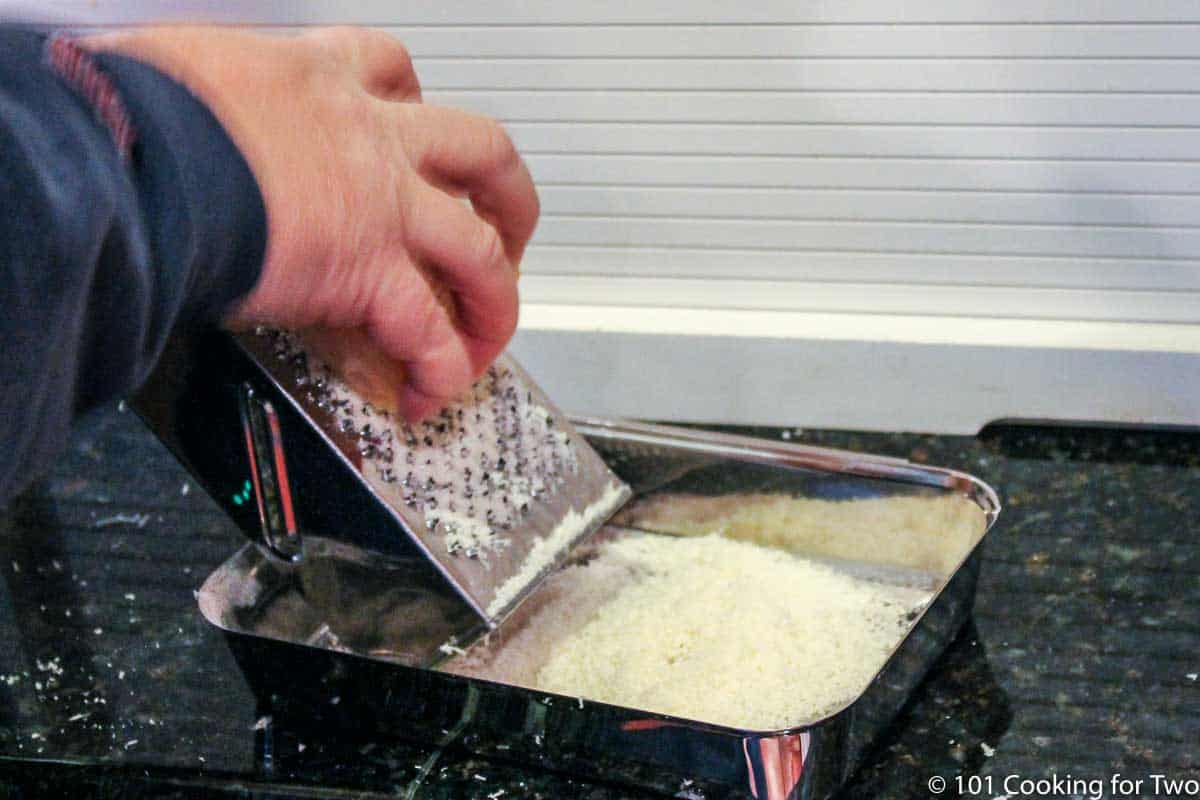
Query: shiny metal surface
x,y
233,412
705,446
475,578
331,640
337,598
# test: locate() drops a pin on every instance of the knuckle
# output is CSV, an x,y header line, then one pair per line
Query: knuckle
x,y
401,309
429,329
386,47
399,55
337,38
353,45
489,248
330,50
498,145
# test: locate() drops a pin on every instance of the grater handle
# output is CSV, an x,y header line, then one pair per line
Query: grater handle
x,y
268,473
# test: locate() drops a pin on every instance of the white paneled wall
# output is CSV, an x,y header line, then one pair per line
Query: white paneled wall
x,y
923,215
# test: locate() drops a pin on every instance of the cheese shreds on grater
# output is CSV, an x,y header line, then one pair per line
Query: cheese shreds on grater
x,y
497,487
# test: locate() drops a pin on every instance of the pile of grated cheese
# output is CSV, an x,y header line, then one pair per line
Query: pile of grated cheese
x,y
705,628
922,532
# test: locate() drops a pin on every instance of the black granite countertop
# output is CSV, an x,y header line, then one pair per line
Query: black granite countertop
x,y
1081,659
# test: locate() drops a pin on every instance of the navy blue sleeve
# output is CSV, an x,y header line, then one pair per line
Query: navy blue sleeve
x,y
109,236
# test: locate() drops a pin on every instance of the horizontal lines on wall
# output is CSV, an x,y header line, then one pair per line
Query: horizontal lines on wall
x,y
974,109
1021,159
1014,303
1039,175
817,75
849,205
1046,171
541,13
784,39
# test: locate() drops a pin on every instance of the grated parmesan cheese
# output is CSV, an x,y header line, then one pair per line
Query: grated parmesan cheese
x,y
706,628
548,548
921,532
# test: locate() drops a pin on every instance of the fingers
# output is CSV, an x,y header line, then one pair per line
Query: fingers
x,y
358,361
443,346
411,326
465,255
471,153
369,371
381,64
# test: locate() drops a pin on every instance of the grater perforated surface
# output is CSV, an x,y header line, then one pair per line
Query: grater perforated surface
x,y
496,488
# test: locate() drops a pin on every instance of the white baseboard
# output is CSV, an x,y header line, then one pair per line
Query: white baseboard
x,y
869,372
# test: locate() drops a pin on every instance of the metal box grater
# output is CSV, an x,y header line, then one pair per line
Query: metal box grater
x,y
469,521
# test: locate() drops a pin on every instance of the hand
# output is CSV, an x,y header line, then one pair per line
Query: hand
x,y
369,240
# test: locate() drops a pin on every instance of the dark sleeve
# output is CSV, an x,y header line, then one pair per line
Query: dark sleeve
x,y
124,209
